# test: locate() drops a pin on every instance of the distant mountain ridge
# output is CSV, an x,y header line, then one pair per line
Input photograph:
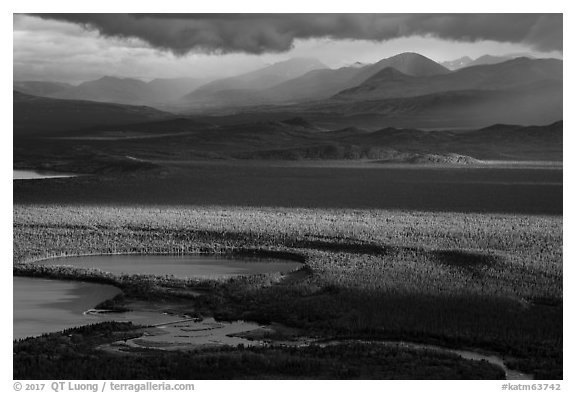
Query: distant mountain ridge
x,y
169,89
316,84
34,115
109,89
408,63
259,79
407,89
128,91
466,61
40,88
510,74
455,64
324,83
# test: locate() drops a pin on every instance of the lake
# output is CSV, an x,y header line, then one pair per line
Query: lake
x,y
42,305
182,266
47,306
24,174
490,189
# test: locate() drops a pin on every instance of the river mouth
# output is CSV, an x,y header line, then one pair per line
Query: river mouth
x,y
26,174
203,266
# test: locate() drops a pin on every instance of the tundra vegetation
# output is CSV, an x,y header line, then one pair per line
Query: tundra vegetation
x,y
486,281
73,356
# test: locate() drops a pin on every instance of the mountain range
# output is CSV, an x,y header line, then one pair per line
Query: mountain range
x,y
115,90
316,84
262,78
466,61
40,88
393,83
403,90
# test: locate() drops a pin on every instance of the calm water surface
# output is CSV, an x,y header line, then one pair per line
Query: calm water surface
x,y
186,266
20,174
47,306
42,306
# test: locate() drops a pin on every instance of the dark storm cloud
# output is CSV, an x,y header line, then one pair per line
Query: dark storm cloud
x,y
261,33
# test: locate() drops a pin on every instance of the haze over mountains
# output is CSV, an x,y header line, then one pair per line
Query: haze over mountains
x,y
250,88
266,77
319,83
403,90
322,84
42,115
291,81
114,90
41,89
392,82
309,112
466,61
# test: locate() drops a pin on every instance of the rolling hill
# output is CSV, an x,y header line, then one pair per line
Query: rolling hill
x,y
129,91
109,89
39,88
539,103
34,115
298,138
498,142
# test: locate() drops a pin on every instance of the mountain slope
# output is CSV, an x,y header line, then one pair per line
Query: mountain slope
x,y
320,84
41,89
316,84
511,74
538,103
34,115
109,89
129,91
456,64
169,89
408,63
468,62
489,59
260,79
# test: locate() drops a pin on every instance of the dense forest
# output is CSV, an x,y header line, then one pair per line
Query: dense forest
x,y
72,354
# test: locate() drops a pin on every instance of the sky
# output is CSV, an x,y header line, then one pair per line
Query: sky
x,y
78,47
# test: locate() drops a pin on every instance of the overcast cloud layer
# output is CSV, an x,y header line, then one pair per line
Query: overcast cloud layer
x,y
265,33
55,49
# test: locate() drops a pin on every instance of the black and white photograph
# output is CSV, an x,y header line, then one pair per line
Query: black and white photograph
x,y
287,196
